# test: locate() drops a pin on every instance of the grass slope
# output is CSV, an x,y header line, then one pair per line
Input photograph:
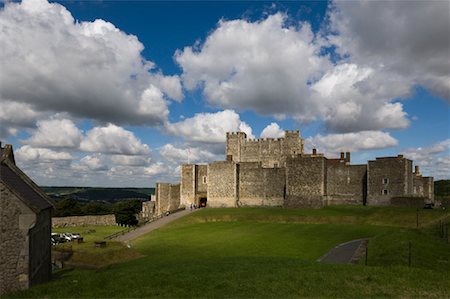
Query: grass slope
x,y
257,252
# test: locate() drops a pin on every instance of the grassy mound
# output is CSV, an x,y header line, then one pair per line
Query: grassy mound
x,y
258,252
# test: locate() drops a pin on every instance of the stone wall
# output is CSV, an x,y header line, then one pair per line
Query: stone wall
x,y
346,184
305,181
260,186
271,152
187,184
222,184
40,249
201,182
393,174
423,187
167,198
148,210
174,197
15,220
84,220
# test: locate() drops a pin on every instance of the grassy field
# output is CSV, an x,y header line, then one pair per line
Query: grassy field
x,y
86,255
258,252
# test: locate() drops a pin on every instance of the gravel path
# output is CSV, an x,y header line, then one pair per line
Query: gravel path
x,y
343,253
152,226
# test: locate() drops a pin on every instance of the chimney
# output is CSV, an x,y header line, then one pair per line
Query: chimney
x,y
416,168
314,151
342,156
347,157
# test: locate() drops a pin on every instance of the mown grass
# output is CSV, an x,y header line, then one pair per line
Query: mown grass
x,y
86,255
257,252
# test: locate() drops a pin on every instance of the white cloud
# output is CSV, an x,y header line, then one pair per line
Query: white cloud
x,y
263,66
15,116
334,143
113,140
187,154
50,62
406,43
94,163
272,131
209,127
349,104
29,154
433,160
130,160
276,69
55,133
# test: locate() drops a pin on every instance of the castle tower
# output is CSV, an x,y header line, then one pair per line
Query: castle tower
x,y
293,144
235,140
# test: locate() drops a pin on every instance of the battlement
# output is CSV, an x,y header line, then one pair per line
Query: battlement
x,y
237,134
268,151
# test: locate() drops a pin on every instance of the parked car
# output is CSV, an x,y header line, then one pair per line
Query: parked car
x,y
56,239
70,236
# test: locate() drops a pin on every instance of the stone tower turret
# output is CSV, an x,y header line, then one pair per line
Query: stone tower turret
x,y
234,142
293,144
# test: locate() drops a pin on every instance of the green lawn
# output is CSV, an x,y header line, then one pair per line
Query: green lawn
x,y
262,252
86,255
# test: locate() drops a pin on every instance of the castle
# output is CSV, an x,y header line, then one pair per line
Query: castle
x,y
277,172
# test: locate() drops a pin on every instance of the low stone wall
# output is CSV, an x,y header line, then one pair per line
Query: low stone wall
x,y
412,202
84,220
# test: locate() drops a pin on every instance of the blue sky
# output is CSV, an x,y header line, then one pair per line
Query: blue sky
x,y
119,93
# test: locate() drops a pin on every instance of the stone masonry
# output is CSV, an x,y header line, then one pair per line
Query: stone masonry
x,y
25,228
277,172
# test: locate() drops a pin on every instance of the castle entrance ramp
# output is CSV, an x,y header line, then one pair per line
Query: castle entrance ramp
x,y
153,225
344,253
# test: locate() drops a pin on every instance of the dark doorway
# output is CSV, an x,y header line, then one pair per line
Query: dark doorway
x,y
203,202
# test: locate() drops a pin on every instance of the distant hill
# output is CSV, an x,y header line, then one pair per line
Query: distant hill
x,y
442,188
98,194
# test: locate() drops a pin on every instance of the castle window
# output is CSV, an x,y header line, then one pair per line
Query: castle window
x,y
275,165
385,181
204,179
384,192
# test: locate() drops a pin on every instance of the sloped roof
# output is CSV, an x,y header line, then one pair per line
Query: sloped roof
x,y
22,185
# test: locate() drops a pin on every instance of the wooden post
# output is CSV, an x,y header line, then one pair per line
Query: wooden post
x,y
417,217
367,249
409,255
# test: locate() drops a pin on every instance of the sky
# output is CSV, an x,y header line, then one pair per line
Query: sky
x,y
120,93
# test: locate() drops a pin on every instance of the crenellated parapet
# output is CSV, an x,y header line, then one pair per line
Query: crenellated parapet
x,y
271,152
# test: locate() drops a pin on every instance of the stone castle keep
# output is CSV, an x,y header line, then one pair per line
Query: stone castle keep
x,y
277,172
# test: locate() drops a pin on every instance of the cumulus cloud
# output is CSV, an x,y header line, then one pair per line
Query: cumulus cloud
x,y
334,143
350,104
187,154
433,160
272,131
15,116
50,62
113,139
94,163
209,127
275,68
406,44
264,66
55,133
30,154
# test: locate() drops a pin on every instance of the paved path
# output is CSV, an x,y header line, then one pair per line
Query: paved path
x,y
343,253
152,225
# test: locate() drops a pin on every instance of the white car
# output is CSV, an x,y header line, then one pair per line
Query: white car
x,y
70,236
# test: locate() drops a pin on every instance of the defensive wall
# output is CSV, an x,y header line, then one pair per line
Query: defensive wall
x,y
277,172
88,220
167,198
270,152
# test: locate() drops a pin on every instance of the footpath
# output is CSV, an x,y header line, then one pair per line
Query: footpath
x,y
345,253
152,226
